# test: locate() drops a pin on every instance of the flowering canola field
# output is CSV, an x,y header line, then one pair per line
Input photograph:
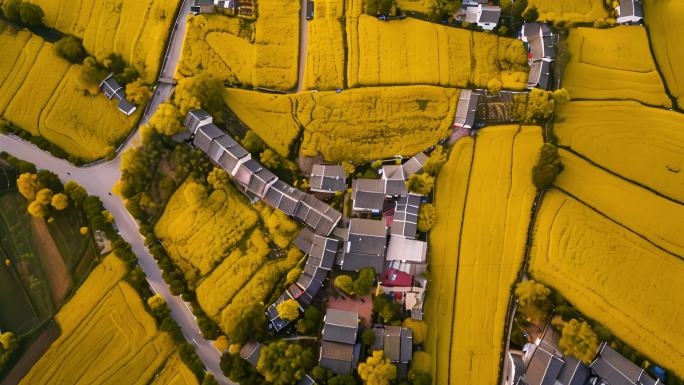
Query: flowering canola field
x,y
325,62
659,220
450,197
135,29
575,11
663,18
175,373
639,143
594,261
40,93
107,335
613,63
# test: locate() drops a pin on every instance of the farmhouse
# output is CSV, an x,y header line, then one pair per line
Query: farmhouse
x,y
272,312
317,215
397,344
394,180
196,119
251,352
405,221
202,6
112,88
478,12
339,352
205,136
328,178
615,369
126,107
368,195
283,197
466,109
544,366
406,250
414,164
630,12
364,246
321,250
542,51
540,75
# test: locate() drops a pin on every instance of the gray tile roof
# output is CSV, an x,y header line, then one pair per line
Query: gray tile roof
x,y
540,72
490,14
405,221
366,236
337,357
368,194
260,180
205,135
395,341
356,261
321,251
250,352
245,171
196,119
328,178
615,369
406,249
283,197
302,296
466,109
574,372
318,215
232,156
543,368
219,146
340,326
394,180
631,8
414,164
272,312
112,88
306,380
126,107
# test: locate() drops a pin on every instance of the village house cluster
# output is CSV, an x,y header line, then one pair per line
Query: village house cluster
x,y
243,8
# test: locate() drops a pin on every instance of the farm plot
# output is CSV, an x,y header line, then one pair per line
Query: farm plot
x,y
326,61
613,63
412,51
659,220
175,373
373,123
612,275
495,222
135,29
419,6
197,230
573,11
107,335
42,95
269,115
663,18
263,54
450,198
639,143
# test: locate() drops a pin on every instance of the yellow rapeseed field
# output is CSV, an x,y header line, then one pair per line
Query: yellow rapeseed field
x,y
495,222
40,92
639,143
420,6
135,29
450,197
107,335
574,11
664,21
198,234
325,63
269,115
659,220
613,63
412,51
175,373
366,124
612,275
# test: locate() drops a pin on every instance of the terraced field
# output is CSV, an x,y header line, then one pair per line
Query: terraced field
x,y
613,63
107,335
260,54
576,11
412,51
41,93
493,232
326,61
594,262
639,143
663,18
135,29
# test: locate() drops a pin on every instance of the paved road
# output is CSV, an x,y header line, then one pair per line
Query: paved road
x,y
99,179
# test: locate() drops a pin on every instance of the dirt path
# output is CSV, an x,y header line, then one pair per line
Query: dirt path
x,y
51,260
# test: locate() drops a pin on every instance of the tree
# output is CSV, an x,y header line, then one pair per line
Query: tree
x,y
251,324
158,305
421,361
530,14
288,310
441,10
533,299
37,209
8,344
420,183
377,370
77,193
91,75
11,10
71,48
209,380
579,340
222,344
293,275
494,85
31,14
561,96
345,283
218,178
419,328
427,216
386,309
200,91
364,281
540,105
311,321
284,363
547,168
437,159
28,185
44,196
138,93
167,120
253,143
368,337
59,201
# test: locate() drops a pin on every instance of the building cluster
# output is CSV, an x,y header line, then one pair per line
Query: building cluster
x,y
479,12
541,44
543,364
232,7
630,12
112,89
